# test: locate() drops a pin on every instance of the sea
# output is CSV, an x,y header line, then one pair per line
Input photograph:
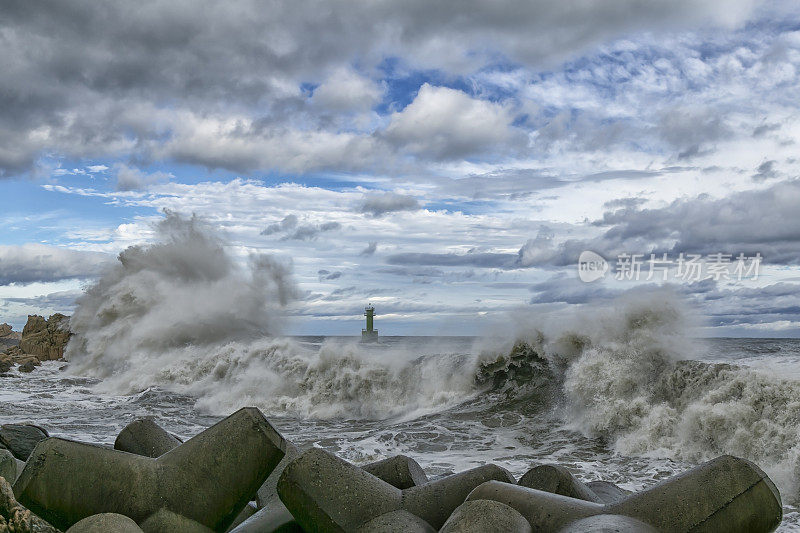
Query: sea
x,y
623,400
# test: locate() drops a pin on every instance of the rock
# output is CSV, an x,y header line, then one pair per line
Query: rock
x,y
396,522
208,479
165,520
10,468
399,471
726,494
15,517
607,492
325,493
28,366
558,480
21,439
105,523
8,338
46,339
435,501
5,365
477,516
145,437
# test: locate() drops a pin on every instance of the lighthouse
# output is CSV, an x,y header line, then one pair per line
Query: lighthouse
x,y
369,333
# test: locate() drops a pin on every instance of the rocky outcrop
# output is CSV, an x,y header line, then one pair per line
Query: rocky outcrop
x,y
8,337
15,517
46,339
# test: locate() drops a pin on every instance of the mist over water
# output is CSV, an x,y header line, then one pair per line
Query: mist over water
x,y
181,314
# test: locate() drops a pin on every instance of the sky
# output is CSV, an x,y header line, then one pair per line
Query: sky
x,y
447,162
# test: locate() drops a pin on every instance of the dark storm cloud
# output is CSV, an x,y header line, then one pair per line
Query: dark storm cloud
x,y
289,222
309,232
327,275
60,301
89,79
370,249
31,263
293,231
691,130
765,171
765,221
378,204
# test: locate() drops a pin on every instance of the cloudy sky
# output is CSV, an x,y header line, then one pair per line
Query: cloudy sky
x,y
446,161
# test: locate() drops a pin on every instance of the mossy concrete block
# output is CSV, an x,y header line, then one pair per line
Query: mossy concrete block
x,y
208,479
325,493
105,523
558,480
396,522
144,437
435,501
479,516
399,471
165,520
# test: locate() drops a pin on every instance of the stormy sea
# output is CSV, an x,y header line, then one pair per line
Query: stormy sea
x,y
624,391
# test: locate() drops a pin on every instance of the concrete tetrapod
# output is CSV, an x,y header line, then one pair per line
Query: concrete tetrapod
x,y
21,439
399,471
436,501
208,479
726,494
606,523
399,521
326,493
607,492
104,523
272,518
165,520
272,515
145,437
478,516
558,480
10,466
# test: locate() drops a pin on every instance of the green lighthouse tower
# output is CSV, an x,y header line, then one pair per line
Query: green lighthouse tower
x,y
369,333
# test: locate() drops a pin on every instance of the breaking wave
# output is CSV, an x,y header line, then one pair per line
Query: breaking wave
x,y
625,374
181,314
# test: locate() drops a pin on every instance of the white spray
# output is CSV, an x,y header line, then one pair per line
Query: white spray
x,y
182,314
